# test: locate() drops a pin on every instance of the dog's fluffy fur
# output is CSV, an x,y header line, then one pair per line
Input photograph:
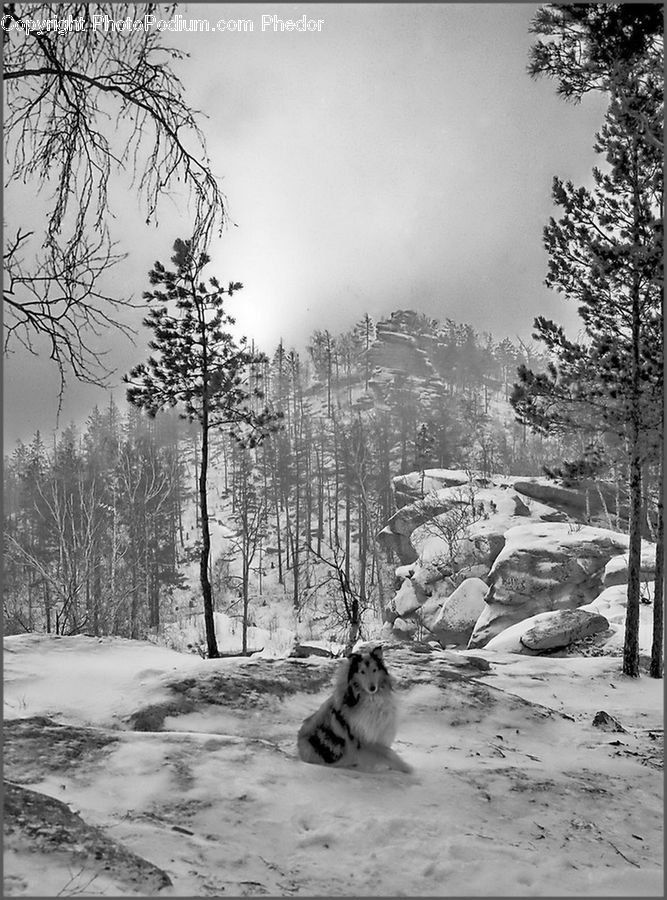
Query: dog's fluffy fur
x,y
356,726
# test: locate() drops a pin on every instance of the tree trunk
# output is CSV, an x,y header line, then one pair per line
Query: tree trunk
x,y
320,498
244,629
207,593
47,607
197,484
97,595
363,553
279,548
380,583
631,645
348,525
657,663
295,539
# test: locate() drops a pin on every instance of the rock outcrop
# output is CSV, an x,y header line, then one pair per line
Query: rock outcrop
x,y
548,631
525,557
396,534
616,570
589,499
459,612
408,488
562,628
406,600
41,823
544,568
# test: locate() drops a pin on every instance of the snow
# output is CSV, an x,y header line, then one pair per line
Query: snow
x,y
515,793
551,536
618,565
84,680
428,539
612,604
405,600
509,640
189,632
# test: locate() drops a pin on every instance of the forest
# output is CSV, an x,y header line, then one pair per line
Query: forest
x,y
94,523
370,525
276,472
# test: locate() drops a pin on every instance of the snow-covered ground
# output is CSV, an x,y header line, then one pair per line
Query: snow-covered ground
x,y
515,792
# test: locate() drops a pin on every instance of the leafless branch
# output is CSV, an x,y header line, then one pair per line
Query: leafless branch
x,y
81,105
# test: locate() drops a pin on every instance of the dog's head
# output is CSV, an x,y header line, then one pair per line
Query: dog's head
x,y
367,672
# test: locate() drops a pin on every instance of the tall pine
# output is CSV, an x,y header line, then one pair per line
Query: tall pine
x,y
606,252
199,367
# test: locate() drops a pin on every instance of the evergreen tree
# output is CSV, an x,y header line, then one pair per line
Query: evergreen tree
x,y
606,251
201,368
424,444
363,336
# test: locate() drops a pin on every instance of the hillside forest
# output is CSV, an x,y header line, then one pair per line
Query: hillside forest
x,y
102,524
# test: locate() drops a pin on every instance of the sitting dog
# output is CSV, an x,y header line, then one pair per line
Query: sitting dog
x,y
356,726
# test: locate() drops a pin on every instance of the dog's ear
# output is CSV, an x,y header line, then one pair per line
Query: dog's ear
x,y
377,653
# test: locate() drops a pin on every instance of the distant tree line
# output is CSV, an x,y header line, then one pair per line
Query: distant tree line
x,y
93,526
94,536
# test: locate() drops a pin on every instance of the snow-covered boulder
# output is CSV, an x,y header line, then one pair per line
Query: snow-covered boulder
x,y
478,545
402,629
563,627
304,649
470,532
544,567
436,526
587,498
406,600
509,640
459,612
408,487
396,533
612,603
548,631
616,570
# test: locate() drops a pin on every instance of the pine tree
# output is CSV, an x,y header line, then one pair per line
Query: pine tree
x,y
363,336
606,252
200,368
424,445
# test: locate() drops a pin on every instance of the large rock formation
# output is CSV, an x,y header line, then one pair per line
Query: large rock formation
x,y
542,568
561,628
616,570
396,534
38,823
589,502
459,612
549,631
534,558
409,488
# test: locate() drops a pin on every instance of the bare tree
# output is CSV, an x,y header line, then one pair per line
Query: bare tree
x,y
453,526
250,519
83,103
347,604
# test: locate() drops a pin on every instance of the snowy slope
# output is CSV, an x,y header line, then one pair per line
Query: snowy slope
x,y
515,793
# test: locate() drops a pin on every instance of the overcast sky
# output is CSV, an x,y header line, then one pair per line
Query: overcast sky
x,y
399,157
